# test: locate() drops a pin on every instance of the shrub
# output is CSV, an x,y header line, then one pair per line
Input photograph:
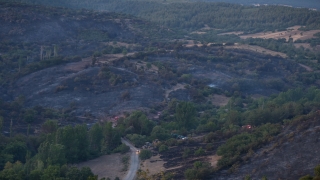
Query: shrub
x,y
125,95
145,154
307,177
171,142
122,149
199,152
163,148
200,170
317,170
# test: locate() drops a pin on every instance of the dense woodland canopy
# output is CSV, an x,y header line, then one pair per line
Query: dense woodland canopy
x,y
195,15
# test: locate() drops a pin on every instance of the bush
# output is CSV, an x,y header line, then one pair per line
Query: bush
x,y
163,148
317,170
145,154
137,140
122,149
199,152
172,142
199,171
307,177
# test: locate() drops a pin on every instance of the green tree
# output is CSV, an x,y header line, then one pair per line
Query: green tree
x,y
137,140
199,152
35,174
95,138
185,115
139,122
85,173
159,133
51,173
52,154
56,154
50,126
186,153
17,149
145,154
111,138
163,148
75,142
13,171
82,138
200,170
307,177
73,173
1,124
317,170
29,116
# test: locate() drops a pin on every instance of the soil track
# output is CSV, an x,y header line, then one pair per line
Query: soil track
x,y
134,161
258,49
292,32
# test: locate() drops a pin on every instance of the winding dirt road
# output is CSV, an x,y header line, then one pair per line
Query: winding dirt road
x,y
134,161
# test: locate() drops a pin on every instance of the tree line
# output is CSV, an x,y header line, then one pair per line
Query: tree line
x,y
195,15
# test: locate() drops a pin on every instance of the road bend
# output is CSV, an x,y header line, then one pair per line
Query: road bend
x,y
134,161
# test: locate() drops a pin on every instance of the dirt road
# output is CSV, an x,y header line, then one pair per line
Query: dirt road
x,y
134,162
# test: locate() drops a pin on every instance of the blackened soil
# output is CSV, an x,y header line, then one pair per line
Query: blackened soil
x,y
293,154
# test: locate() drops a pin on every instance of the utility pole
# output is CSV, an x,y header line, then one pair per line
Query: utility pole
x,y
11,128
41,53
55,51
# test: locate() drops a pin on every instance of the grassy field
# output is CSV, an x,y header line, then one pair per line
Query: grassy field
x,y
106,166
291,32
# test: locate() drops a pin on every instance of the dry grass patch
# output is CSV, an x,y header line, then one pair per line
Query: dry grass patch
x,y
291,32
154,165
174,88
257,96
78,66
191,43
152,68
120,44
220,100
198,32
213,160
306,67
258,49
234,32
107,58
106,166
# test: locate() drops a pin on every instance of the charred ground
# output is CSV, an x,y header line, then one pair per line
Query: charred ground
x,y
120,66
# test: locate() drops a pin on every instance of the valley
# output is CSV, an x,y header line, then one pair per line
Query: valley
x,y
202,90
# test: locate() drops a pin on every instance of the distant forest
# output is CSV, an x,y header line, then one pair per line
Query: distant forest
x,y
192,16
295,3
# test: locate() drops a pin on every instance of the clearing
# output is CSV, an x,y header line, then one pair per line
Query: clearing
x,y
291,32
307,46
309,69
108,58
214,160
174,88
229,33
154,165
220,100
106,166
258,49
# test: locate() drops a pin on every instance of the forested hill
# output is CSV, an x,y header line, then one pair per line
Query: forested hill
x,y
314,4
27,29
191,16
